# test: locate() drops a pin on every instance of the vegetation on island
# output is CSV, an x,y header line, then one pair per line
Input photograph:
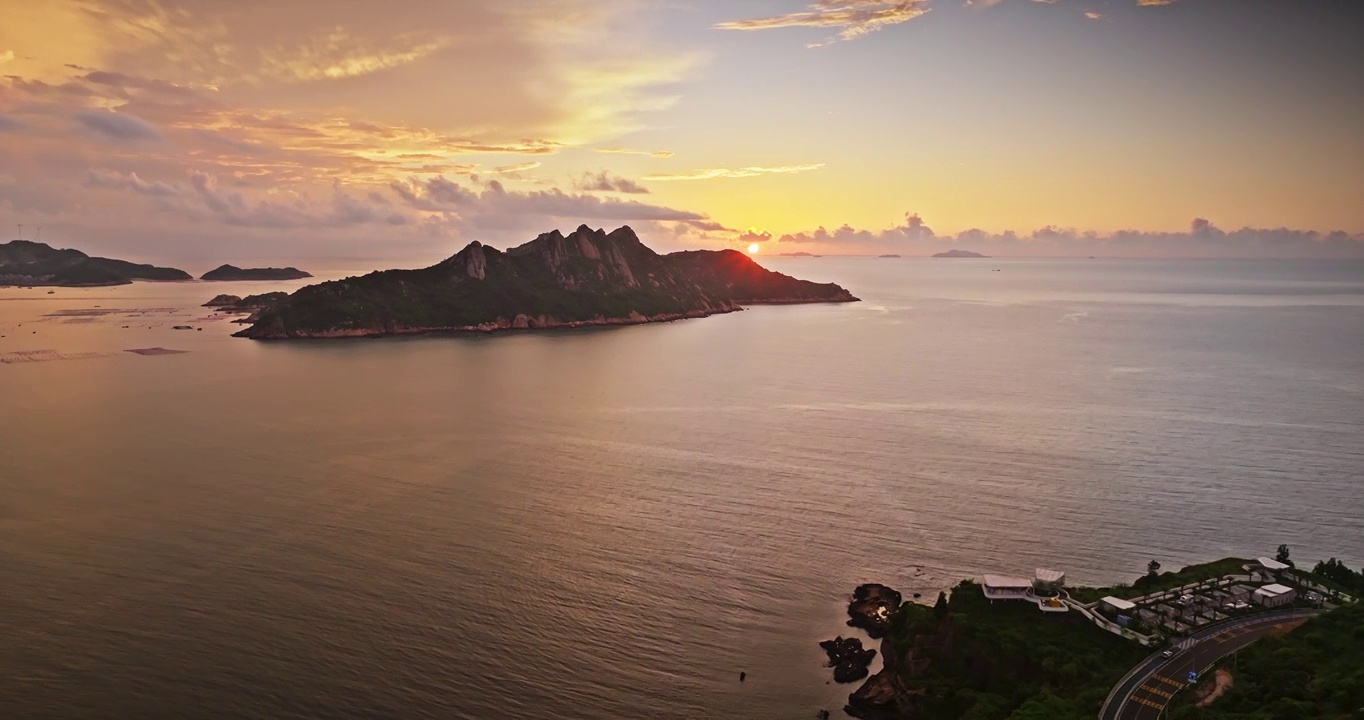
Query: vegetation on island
x,y
232,272
969,659
1155,581
588,277
24,262
1315,672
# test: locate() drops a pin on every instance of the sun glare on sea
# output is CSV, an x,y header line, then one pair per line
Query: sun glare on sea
x,y
753,249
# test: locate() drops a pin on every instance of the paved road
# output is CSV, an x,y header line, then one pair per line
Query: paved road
x,y
1150,686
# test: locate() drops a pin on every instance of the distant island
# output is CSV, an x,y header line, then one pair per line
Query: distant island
x,y
799,254
954,253
251,305
28,263
232,272
890,255
589,277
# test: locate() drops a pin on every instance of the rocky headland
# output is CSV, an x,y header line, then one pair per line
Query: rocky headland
x,y
33,264
589,277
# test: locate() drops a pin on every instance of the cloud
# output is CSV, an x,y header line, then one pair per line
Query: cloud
x,y
753,235
235,209
1154,3
6,56
118,126
1093,15
855,17
110,179
713,173
498,213
8,124
606,182
339,55
630,151
1203,239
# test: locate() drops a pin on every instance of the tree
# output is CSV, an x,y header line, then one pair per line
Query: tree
x,y
1152,568
1282,556
940,607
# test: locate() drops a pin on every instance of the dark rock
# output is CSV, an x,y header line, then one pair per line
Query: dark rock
x,y
223,301
871,608
848,658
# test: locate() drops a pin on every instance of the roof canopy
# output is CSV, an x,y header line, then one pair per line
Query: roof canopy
x,y
1275,589
1050,576
1271,564
1119,603
1004,581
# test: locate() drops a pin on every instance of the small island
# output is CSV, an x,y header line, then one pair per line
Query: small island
x,y
888,255
251,305
34,264
955,253
799,254
232,272
587,278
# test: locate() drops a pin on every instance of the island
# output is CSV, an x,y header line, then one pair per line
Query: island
x,y
1033,649
955,253
232,272
798,254
31,264
587,278
251,305
888,255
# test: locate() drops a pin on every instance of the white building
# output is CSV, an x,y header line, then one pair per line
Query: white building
x,y
1048,581
1275,595
1003,587
1272,565
1119,605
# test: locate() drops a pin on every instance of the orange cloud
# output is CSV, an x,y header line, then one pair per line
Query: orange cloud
x,y
743,172
855,17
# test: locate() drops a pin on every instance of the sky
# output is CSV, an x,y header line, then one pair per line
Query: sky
x,y
175,130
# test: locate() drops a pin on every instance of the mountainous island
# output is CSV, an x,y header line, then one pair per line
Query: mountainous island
x,y
955,253
232,272
589,277
24,262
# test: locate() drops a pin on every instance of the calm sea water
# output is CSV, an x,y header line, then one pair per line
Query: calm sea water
x,y
614,523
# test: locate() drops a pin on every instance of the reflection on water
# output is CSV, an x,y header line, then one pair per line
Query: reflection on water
x,y
616,522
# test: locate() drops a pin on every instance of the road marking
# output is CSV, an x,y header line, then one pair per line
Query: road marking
x,y
1148,703
1156,691
1168,681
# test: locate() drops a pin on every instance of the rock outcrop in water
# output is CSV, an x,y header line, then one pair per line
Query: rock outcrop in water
x,y
23,262
848,659
589,277
871,607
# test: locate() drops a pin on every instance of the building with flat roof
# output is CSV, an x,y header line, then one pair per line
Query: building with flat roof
x,y
1272,565
1275,595
1048,581
1118,604
1004,587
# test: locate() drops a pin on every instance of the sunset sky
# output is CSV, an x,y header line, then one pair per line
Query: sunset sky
x,y
197,129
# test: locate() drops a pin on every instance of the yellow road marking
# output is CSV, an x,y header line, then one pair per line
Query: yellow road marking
x,y
1148,703
1156,691
1168,681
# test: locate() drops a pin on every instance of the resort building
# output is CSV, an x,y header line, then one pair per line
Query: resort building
x,y
1003,587
1119,605
1048,582
1275,595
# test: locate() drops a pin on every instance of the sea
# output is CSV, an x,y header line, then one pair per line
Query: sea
x,y
617,522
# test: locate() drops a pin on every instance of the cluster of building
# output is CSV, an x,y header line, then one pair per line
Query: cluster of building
x,y
1043,589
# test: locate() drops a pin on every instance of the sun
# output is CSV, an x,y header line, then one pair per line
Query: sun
x,y
753,249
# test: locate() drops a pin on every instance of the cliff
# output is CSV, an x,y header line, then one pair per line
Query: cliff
x,y
232,272
589,277
23,262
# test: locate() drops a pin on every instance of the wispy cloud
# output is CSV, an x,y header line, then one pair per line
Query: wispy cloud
x,y
714,173
606,182
340,55
1093,15
118,126
110,179
631,151
855,18
1152,3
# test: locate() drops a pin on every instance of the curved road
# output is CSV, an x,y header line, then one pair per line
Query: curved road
x,y
1145,691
